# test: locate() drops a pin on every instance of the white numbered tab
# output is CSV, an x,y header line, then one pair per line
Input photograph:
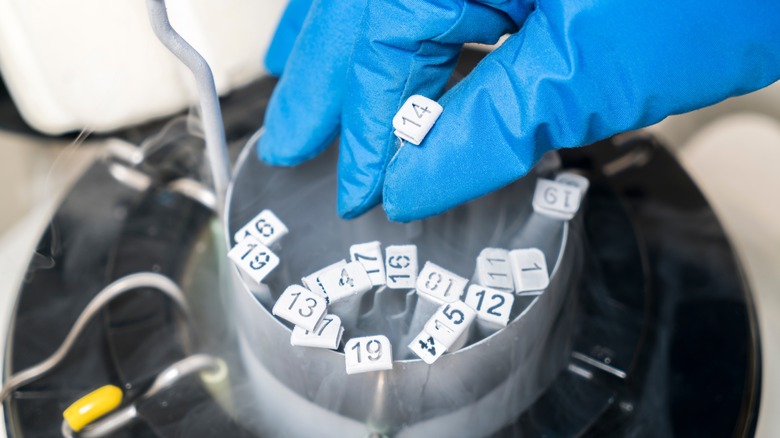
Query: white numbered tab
x,y
370,256
492,305
529,268
416,118
312,281
345,281
556,199
265,227
426,347
300,306
401,266
494,269
327,334
574,180
369,353
450,322
254,259
440,285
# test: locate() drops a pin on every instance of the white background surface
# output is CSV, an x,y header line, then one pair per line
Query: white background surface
x,y
96,64
732,150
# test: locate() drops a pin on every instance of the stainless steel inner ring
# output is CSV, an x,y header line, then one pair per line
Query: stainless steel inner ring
x,y
473,391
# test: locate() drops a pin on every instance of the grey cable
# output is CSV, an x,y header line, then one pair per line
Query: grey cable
x,y
216,145
113,290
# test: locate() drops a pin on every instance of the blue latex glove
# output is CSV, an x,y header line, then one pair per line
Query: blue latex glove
x,y
574,72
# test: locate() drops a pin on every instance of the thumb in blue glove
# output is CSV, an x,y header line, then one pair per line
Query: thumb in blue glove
x,y
574,73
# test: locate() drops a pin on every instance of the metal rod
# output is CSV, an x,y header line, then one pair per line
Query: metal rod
x,y
211,115
113,290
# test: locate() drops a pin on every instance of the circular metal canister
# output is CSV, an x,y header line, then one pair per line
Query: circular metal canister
x,y
469,392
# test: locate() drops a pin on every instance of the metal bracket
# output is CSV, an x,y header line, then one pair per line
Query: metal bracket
x,y
211,114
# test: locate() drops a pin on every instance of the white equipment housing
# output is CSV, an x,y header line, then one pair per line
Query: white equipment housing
x,y
96,65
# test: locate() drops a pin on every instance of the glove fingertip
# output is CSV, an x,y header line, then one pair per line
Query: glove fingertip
x,y
396,214
397,205
347,210
350,206
264,151
275,156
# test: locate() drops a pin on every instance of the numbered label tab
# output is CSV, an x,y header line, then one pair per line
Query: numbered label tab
x,y
426,347
327,334
370,256
529,268
494,269
574,180
440,285
450,322
313,283
253,258
556,199
369,353
265,227
401,266
416,118
492,305
345,281
300,306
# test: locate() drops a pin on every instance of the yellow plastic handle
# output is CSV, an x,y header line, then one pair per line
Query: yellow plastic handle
x,y
92,406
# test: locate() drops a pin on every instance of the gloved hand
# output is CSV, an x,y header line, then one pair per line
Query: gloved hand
x,y
573,72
